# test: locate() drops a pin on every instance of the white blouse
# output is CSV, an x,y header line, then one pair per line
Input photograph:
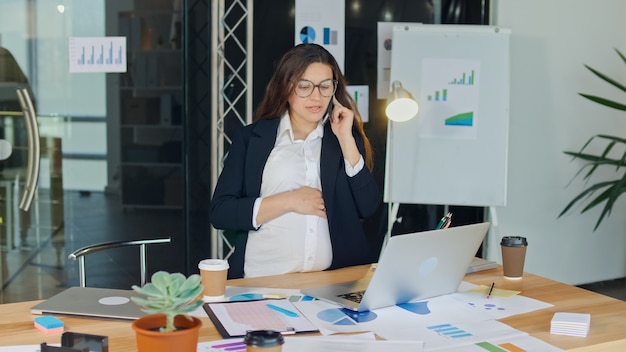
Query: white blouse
x,y
292,242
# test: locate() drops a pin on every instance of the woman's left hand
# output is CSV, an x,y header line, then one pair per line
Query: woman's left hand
x,y
341,119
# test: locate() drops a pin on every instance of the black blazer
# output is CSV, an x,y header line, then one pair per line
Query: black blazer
x,y
347,199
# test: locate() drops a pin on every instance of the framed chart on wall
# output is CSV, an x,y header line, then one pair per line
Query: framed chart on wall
x,y
454,151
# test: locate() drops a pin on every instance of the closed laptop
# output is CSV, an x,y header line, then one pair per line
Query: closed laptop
x,y
92,302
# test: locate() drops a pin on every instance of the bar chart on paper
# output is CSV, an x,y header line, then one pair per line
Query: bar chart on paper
x,y
97,54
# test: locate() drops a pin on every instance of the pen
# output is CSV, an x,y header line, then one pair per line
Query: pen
x,y
443,221
490,290
448,221
287,312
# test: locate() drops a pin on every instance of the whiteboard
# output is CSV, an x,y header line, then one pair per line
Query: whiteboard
x,y
454,152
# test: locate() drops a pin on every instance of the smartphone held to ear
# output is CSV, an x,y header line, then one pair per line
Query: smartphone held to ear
x,y
328,111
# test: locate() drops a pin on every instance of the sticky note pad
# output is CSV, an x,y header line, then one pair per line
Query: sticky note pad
x,y
573,324
49,324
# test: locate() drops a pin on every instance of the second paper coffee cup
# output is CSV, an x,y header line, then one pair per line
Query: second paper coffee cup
x,y
513,256
263,341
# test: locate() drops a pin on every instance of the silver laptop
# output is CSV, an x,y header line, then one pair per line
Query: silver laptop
x,y
412,267
92,302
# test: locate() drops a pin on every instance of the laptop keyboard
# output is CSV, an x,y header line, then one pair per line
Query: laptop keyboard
x,y
353,296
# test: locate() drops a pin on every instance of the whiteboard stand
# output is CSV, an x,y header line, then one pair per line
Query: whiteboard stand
x,y
491,242
392,217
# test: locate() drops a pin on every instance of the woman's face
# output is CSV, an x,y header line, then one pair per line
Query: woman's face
x,y
311,109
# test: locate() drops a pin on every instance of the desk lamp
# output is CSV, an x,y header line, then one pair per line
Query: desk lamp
x,y
401,106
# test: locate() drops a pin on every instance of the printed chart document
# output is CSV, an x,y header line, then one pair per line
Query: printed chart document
x,y
347,343
233,319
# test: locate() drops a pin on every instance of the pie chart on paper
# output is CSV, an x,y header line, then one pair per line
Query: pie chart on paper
x,y
342,316
307,34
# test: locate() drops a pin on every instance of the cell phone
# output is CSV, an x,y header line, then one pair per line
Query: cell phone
x,y
87,342
329,110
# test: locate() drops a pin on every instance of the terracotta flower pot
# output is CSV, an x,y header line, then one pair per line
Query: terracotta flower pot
x,y
150,339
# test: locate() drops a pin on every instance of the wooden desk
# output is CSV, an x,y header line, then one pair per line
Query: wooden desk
x,y
607,333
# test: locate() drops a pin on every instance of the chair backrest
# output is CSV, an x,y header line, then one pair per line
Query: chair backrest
x,y
82,252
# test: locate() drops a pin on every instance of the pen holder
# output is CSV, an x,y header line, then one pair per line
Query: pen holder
x,y
264,341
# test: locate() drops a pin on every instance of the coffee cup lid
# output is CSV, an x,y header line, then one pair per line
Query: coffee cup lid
x,y
263,338
213,264
514,241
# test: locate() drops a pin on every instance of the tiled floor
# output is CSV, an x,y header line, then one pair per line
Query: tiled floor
x,y
40,269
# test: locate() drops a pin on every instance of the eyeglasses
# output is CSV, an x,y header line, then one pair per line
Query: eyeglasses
x,y
304,88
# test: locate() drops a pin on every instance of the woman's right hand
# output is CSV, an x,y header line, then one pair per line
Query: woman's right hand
x,y
307,201
304,200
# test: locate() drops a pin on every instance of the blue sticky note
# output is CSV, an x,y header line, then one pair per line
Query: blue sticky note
x,y
48,322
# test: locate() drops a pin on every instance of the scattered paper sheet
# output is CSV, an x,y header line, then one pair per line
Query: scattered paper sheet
x,y
235,318
235,293
345,343
455,307
462,321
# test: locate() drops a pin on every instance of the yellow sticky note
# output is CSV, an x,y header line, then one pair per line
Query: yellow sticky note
x,y
496,292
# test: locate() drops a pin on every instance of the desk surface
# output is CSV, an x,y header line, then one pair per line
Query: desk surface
x,y
607,332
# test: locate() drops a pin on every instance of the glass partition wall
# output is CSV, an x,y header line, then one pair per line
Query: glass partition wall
x,y
110,143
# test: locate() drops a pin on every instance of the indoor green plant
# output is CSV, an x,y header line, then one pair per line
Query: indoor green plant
x,y
169,298
609,191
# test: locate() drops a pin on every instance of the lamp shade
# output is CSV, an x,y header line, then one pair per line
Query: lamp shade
x,y
401,106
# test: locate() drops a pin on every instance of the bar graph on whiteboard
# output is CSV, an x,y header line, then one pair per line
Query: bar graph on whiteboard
x,y
450,95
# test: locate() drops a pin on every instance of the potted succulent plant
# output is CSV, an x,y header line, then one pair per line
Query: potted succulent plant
x,y
609,191
169,298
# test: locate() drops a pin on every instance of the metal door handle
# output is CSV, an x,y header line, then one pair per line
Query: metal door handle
x,y
34,148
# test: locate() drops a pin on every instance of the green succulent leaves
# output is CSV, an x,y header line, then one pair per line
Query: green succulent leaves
x,y
170,294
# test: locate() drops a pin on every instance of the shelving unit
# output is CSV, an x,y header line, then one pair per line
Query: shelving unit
x,y
151,107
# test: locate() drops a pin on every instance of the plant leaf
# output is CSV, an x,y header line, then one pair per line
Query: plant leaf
x,y
170,294
191,282
605,102
610,191
147,290
621,55
586,193
606,78
161,280
610,195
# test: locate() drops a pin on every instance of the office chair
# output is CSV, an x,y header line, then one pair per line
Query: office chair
x,y
82,252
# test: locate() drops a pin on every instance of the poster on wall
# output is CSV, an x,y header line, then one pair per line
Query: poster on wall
x,y
384,44
360,94
97,54
322,22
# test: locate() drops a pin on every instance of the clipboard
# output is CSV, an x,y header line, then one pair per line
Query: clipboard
x,y
234,319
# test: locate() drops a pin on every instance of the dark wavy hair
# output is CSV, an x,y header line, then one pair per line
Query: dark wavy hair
x,y
289,71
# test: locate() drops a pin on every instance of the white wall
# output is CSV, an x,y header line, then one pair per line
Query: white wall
x,y
550,42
